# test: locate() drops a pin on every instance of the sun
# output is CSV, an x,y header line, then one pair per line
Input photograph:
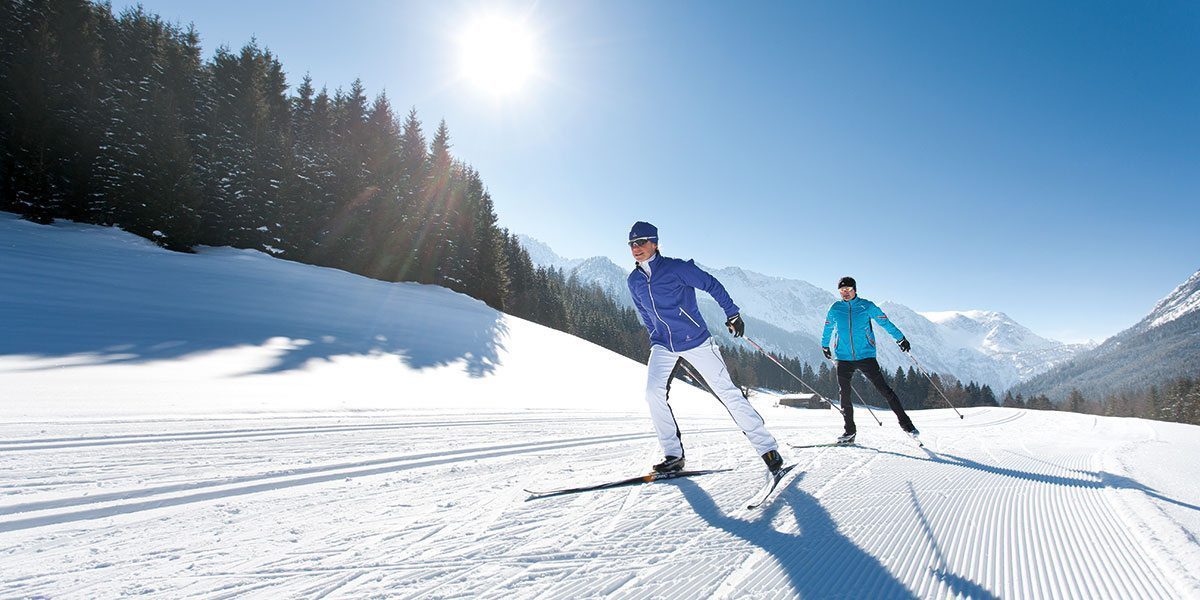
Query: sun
x,y
498,54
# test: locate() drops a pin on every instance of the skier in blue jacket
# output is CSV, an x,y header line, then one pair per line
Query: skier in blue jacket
x,y
854,348
664,293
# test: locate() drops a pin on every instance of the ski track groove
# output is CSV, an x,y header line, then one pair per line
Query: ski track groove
x,y
971,511
234,434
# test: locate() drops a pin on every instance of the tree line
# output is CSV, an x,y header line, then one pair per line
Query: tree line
x,y
1177,401
117,120
752,369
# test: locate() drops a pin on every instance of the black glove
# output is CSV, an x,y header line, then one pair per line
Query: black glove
x,y
904,345
827,353
736,326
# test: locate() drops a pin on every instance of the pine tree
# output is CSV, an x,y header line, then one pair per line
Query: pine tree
x,y
1040,402
384,179
246,144
50,71
146,177
1075,401
436,213
313,185
987,397
414,170
486,274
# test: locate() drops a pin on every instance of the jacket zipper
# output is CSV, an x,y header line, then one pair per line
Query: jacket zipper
x,y
670,339
685,313
850,311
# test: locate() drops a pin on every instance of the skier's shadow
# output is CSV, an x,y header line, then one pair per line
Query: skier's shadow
x,y
960,586
818,561
1089,479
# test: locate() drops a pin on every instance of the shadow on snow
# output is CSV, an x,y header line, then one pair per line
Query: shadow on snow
x,y
818,561
1090,479
178,306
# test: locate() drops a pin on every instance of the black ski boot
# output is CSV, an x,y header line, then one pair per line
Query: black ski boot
x,y
774,460
845,439
669,464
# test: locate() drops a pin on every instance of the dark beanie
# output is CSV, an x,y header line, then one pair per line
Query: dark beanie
x,y
847,281
642,229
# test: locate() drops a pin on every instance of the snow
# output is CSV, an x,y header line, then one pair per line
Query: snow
x,y
1183,300
230,424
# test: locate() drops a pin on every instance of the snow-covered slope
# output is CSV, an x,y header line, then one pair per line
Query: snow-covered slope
x,y
983,346
231,425
240,330
1161,347
1181,302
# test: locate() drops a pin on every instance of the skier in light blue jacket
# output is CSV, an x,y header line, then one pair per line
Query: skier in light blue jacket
x,y
853,349
664,293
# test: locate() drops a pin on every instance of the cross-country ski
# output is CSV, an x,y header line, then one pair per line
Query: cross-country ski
x,y
765,494
829,445
648,478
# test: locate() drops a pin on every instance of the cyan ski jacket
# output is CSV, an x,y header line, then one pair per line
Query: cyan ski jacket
x,y
855,337
666,300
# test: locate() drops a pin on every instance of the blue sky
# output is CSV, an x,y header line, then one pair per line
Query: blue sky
x,y
1040,159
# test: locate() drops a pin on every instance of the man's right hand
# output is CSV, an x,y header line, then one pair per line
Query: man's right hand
x,y
736,326
827,353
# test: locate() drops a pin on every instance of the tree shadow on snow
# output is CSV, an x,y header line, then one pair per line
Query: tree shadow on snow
x,y
818,561
300,320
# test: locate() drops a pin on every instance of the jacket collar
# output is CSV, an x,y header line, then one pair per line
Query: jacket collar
x,y
646,267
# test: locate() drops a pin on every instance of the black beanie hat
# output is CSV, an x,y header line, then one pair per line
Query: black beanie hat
x,y
847,281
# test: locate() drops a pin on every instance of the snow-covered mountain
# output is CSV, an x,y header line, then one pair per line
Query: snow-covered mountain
x,y
228,424
1162,346
1006,341
787,315
1183,301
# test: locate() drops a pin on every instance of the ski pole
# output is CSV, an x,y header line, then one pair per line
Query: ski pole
x,y
785,369
935,385
860,398
698,379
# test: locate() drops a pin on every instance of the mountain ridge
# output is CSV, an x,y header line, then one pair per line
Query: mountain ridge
x,y
1163,345
980,345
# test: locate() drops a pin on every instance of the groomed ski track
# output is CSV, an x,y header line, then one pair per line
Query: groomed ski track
x,y
1006,504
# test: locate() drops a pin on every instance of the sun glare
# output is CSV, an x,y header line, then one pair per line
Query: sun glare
x,y
498,55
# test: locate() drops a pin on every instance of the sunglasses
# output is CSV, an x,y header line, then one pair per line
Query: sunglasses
x,y
638,243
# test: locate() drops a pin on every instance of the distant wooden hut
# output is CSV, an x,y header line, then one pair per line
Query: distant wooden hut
x,y
801,401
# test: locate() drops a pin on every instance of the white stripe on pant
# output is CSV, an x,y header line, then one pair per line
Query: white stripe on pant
x,y
706,358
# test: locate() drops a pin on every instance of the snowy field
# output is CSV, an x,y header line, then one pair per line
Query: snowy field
x,y
230,425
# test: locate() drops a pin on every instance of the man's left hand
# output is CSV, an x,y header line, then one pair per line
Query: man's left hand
x,y
736,326
904,345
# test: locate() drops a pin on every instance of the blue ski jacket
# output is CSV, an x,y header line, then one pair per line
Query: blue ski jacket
x,y
855,335
665,298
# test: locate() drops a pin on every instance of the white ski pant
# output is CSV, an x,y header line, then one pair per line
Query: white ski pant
x,y
706,358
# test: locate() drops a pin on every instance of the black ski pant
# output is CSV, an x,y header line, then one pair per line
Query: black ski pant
x,y
870,368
